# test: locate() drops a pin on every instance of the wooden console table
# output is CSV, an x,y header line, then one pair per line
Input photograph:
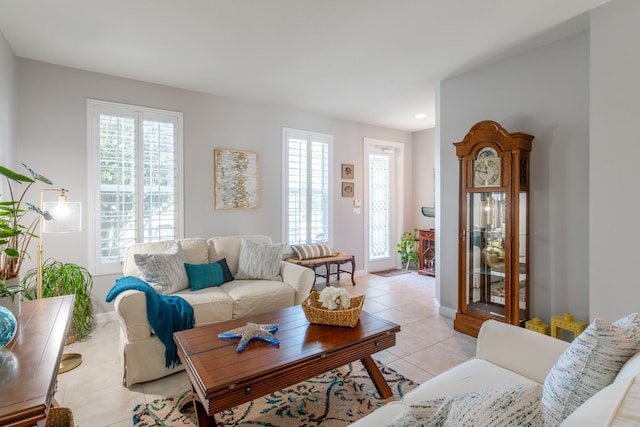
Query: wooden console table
x,y
427,245
29,364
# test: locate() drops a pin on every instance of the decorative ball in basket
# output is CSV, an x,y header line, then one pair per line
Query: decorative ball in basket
x,y
333,306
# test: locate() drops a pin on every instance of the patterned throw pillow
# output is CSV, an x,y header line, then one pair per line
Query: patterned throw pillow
x,y
316,250
589,364
259,260
517,405
164,271
207,275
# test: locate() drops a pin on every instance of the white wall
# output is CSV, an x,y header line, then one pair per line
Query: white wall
x,y
7,106
51,135
614,152
544,92
424,163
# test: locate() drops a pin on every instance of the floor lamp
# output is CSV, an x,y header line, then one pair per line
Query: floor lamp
x,y
66,218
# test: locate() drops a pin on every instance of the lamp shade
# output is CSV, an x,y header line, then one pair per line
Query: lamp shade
x,y
67,217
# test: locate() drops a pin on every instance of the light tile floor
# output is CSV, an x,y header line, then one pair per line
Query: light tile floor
x,y
426,346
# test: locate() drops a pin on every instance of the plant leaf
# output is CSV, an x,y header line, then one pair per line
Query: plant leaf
x,y
14,176
37,176
12,252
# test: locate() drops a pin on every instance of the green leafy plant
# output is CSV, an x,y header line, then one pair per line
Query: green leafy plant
x,y
9,290
59,278
408,248
16,226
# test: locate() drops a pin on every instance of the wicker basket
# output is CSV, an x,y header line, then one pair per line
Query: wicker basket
x,y
59,417
315,313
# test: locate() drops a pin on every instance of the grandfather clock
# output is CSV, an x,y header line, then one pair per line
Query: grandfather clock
x,y
493,259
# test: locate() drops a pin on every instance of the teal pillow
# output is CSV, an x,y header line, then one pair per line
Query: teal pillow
x,y
207,275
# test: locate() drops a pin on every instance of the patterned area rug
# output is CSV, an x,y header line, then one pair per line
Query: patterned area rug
x,y
390,273
336,398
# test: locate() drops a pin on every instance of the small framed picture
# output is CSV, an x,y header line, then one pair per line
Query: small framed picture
x,y
347,171
347,189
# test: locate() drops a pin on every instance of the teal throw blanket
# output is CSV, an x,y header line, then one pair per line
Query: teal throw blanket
x,y
167,314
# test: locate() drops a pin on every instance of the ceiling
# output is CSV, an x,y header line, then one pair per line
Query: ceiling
x,y
371,61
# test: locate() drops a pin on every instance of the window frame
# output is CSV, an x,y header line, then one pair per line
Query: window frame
x,y
309,136
94,109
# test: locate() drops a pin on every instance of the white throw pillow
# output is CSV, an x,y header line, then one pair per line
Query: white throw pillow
x,y
517,405
628,413
259,260
164,271
588,365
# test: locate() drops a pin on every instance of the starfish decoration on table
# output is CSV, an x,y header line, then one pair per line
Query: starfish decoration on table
x,y
252,331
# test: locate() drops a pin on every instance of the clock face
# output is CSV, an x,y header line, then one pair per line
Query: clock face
x,y
487,168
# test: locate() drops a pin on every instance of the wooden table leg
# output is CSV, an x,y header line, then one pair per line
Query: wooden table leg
x,y
353,269
204,420
377,378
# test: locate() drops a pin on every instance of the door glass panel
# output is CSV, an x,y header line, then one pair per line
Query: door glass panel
x,y
486,288
379,207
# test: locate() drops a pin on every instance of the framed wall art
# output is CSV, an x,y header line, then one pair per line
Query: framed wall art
x,y
235,179
347,171
347,189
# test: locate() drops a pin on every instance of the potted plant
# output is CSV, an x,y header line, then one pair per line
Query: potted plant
x,y
408,248
16,226
10,296
60,278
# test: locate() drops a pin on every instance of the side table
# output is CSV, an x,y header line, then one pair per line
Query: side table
x,y
567,322
28,375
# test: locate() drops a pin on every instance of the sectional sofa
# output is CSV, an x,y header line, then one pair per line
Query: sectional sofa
x,y
514,364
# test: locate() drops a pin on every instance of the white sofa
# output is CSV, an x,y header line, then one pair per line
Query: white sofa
x,y
143,354
507,356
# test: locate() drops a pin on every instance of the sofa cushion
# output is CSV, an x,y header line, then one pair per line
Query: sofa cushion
x,y
630,369
194,249
207,275
164,271
472,375
229,247
258,296
601,408
259,260
210,305
589,364
316,250
628,413
508,406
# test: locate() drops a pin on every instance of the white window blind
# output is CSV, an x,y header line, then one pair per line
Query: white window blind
x,y
135,155
307,199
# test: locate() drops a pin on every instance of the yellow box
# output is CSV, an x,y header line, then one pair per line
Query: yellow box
x,y
536,325
567,322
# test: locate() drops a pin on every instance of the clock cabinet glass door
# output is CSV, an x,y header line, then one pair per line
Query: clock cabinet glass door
x,y
486,253
489,278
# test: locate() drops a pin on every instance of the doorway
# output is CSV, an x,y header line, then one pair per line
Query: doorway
x,y
383,184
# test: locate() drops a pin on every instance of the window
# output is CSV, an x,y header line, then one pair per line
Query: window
x,y
135,162
307,177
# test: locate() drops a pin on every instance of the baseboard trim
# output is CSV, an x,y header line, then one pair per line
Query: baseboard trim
x,y
445,311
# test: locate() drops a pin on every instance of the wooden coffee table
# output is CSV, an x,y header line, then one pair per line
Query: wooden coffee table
x,y
223,378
